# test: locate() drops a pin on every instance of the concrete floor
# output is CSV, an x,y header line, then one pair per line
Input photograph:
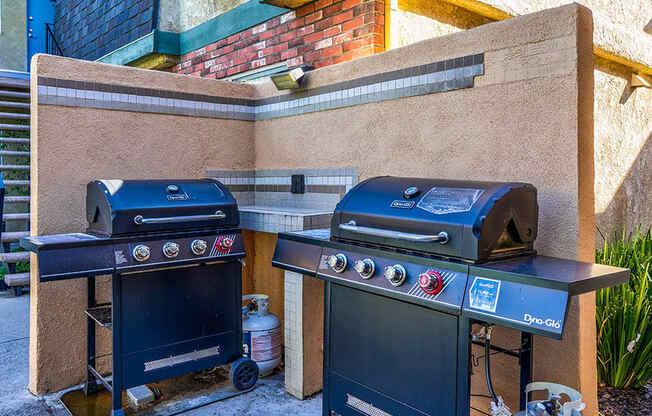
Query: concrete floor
x,y
269,398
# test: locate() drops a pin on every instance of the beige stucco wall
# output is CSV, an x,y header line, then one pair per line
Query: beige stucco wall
x,y
70,147
529,118
623,117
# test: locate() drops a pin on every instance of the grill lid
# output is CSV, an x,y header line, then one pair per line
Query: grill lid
x,y
122,207
472,221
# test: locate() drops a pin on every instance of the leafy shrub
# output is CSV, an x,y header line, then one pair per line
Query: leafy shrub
x,y
624,312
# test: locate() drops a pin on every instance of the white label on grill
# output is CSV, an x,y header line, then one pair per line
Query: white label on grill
x,y
120,257
440,200
181,358
364,407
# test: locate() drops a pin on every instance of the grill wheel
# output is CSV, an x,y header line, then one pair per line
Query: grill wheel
x,y
244,373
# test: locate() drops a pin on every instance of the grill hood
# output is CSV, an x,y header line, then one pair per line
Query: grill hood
x,y
468,220
123,207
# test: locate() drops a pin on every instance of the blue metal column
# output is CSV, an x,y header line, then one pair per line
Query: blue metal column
x,y
39,12
116,393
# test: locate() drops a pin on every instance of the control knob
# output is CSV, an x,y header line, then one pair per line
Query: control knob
x,y
365,268
431,282
396,274
198,247
337,262
141,252
170,250
224,244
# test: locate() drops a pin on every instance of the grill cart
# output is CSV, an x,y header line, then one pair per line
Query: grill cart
x,y
173,249
410,265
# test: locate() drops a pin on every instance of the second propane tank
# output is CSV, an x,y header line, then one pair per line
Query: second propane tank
x,y
261,333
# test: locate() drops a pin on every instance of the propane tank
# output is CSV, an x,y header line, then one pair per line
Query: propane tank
x,y
553,405
261,333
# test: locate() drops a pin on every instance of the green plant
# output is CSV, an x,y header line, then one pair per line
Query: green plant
x,y
624,312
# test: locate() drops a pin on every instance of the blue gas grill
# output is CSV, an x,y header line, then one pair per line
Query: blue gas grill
x,y
410,266
173,249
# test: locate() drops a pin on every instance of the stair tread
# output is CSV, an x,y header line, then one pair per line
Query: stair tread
x,y
19,116
13,153
14,104
14,257
14,217
14,167
13,198
16,182
13,236
17,279
17,127
16,140
14,94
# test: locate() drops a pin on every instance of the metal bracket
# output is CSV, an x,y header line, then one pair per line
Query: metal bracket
x,y
640,80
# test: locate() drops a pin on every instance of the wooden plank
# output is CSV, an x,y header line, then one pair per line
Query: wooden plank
x,y
248,268
313,335
268,280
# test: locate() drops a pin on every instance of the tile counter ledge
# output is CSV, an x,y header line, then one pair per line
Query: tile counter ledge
x,y
271,219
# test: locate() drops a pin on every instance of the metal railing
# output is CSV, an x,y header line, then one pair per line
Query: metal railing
x,y
51,45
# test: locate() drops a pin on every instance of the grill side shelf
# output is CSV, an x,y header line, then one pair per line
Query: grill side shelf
x,y
101,314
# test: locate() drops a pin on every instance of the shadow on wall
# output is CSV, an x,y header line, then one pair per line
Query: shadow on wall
x,y
632,203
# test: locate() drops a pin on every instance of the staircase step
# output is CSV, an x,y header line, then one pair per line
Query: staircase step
x,y
16,199
14,116
15,217
14,127
12,237
14,140
17,279
14,153
16,80
14,167
15,94
14,104
12,182
14,257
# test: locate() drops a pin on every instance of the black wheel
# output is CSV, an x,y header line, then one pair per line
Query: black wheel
x,y
244,373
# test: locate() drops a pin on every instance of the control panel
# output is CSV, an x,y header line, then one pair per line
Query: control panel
x,y
180,249
427,282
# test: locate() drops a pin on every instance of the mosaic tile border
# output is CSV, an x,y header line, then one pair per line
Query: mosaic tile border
x,y
447,75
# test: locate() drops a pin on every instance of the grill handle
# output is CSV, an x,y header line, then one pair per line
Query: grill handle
x,y
351,226
139,219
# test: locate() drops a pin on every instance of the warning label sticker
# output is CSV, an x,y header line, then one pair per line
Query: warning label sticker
x,y
266,345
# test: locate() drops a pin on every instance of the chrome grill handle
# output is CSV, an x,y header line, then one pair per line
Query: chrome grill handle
x,y
139,219
351,226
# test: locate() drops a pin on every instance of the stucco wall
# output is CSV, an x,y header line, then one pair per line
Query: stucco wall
x,y
73,145
13,43
529,118
623,117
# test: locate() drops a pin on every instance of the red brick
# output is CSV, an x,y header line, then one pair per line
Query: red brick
x,y
304,10
314,17
275,40
367,29
297,23
265,52
273,22
324,43
305,30
333,10
267,35
357,44
332,51
258,63
343,17
196,74
225,50
323,62
323,23
233,38
374,18
288,17
280,47
312,56
348,4
281,29
352,24
272,59
211,47
232,71
295,42
354,54
332,31
287,36
344,37
222,42
303,49
290,53
295,61
320,4
314,37
220,74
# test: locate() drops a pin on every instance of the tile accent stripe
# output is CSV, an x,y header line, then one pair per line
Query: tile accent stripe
x,y
448,75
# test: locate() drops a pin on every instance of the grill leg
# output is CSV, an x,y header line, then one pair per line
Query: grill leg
x,y
91,382
525,360
116,394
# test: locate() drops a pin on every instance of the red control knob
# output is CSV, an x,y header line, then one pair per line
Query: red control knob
x,y
224,244
431,282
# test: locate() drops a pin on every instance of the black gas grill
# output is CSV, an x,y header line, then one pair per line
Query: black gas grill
x,y
411,265
173,248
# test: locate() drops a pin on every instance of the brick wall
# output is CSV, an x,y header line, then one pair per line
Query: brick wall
x,y
89,29
321,33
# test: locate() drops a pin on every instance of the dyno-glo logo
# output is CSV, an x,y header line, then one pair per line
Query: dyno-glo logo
x,y
550,323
